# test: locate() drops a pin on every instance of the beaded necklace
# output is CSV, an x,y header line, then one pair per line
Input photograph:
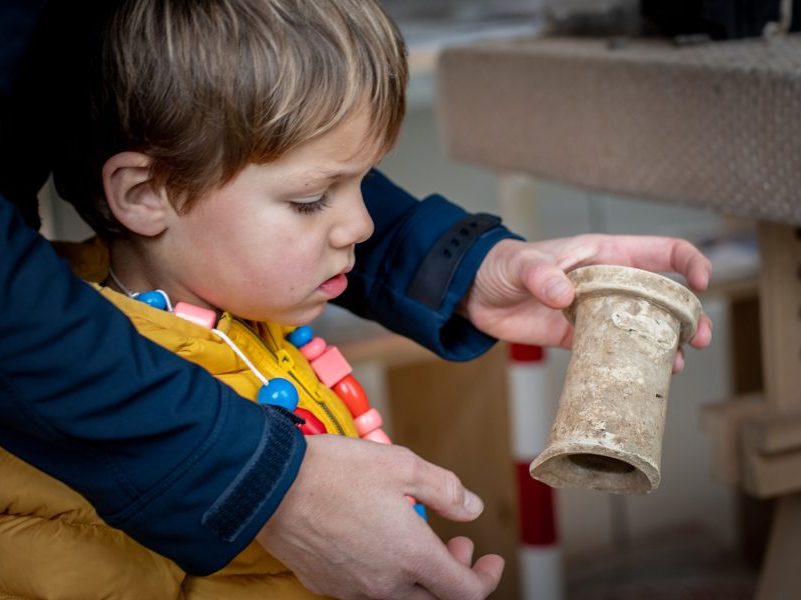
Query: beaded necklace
x,y
327,362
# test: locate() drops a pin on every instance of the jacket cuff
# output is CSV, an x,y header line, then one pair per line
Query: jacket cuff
x,y
430,318
203,539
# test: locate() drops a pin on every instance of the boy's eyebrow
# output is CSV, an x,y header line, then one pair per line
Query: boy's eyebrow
x,y
322,174
326,173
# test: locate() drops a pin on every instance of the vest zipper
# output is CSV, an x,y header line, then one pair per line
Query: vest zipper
x,y
290,371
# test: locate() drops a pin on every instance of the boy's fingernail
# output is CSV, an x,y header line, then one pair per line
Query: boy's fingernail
x,y
556,288
472,503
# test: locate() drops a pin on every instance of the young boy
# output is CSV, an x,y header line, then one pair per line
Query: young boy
x,y
222,166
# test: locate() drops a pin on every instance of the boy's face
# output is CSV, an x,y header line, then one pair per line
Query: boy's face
x,y
276,242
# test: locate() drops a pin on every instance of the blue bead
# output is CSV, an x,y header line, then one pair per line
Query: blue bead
x,y
155,299
279,392
300,336
421,510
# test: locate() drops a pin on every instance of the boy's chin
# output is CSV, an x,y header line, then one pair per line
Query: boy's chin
x,y
303,317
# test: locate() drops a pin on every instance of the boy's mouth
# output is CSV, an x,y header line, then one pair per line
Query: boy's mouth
x,y
334,286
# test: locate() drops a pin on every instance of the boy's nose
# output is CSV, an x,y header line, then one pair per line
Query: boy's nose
x,y
354,225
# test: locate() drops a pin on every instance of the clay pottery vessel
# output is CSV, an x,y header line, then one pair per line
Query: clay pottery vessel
x,y
608,430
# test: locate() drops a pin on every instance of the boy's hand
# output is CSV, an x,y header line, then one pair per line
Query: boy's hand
x,y
521,288
346,529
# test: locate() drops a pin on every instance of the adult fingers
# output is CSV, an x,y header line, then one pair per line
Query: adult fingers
x,y
440,490
654,253
442,573
690,262
701,339
514,269
449,579
452,580
487,568
461,548
703,335
678,361
546,281
419,593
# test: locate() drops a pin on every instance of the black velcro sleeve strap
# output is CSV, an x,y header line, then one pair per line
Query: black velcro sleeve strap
x,y
433,278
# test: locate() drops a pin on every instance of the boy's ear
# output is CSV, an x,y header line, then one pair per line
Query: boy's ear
x,y
137,204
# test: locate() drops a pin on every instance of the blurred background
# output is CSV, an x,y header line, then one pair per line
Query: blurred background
x,y
685,540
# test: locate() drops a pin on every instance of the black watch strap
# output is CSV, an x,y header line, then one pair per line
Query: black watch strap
x,y
434,276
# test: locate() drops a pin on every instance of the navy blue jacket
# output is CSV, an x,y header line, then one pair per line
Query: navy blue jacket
x,y
160,448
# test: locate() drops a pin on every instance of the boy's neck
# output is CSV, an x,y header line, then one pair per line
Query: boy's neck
x,y
139,269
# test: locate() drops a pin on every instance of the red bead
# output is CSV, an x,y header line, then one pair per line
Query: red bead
x,y
369,421
352,394
378,436
314,348
312,426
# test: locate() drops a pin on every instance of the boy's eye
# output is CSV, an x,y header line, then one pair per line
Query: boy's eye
x,y
307,208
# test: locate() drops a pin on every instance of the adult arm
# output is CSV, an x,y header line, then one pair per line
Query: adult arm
x,y
456,282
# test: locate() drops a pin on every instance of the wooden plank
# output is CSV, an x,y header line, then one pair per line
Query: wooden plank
x,y
770,475
780,578
745,347
773,433
780,299
766,474
722,421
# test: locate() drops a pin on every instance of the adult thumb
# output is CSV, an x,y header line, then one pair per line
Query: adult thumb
x,y
442,491
548,283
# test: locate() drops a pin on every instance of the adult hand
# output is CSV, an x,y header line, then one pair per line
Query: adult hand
x,y
521,288
346,529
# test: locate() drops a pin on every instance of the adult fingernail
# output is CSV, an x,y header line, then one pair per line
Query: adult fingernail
x,y
472,503
556,288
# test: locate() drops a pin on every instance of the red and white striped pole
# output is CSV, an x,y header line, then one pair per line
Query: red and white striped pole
x,y
531,414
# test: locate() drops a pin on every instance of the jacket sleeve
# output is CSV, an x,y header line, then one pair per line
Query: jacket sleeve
x,y
159,447
412,273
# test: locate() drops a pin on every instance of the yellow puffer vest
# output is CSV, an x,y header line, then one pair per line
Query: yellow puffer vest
x,y
53,545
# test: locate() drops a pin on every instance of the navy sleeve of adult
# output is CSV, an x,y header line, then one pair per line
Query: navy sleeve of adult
x,y
412,273
159,447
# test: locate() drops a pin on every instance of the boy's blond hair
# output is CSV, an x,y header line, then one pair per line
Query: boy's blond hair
x,y
205,87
